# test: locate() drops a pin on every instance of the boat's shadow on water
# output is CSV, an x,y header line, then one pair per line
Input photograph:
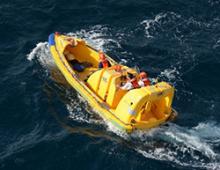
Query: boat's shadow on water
x,y
170,142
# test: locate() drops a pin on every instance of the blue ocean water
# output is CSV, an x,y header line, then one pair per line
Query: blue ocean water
x,y
45,124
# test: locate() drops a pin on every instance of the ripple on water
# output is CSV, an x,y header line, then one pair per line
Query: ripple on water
x,y
23,142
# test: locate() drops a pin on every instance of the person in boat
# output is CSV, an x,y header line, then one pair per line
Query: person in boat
x,y
118,68
73,42
103,63
75,63
131,83
143,80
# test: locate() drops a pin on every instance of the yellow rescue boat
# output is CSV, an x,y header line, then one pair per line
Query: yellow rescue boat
x,y
139,108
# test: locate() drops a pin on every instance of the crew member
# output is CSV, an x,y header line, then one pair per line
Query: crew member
x,y
69,56
73,61
73,42
130,84
118,68
104,63
143,81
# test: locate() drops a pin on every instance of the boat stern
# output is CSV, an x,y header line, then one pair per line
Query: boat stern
x,y
146,107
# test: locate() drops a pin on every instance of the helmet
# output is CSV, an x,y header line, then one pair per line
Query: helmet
x,y
143,75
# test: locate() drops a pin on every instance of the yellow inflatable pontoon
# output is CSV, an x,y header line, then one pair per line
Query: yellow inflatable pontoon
x,y
139,108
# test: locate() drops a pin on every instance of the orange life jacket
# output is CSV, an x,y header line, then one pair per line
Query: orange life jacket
x,y
146,81
135,83
105,64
